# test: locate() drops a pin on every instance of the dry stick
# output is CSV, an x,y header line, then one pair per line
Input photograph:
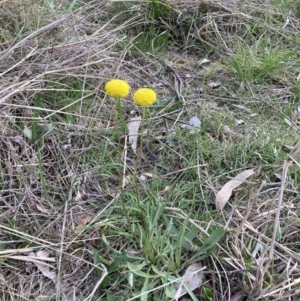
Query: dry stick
x,y
295,151
105,273
16,251
62,244
120,169
286,165
135,176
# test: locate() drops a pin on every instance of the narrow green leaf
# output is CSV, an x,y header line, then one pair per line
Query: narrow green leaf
x,y
71,6
118,260
212,240
163,275
137,269
190,292
145,290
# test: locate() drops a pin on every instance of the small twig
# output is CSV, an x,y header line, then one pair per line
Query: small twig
x,y
36,260
285,169
104,274
62,238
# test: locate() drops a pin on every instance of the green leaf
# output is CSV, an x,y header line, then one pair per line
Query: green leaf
x,y
118,260
208,293
208,246
163,275
137,269
188,240
191,294
145,290
37,131
212,240
28,133
170,291
71,6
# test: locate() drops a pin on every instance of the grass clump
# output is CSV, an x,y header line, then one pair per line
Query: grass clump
x,y
85,215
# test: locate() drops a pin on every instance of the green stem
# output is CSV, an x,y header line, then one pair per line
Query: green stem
x,y
136,180
117,110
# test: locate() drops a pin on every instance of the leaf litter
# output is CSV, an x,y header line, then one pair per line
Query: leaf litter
x,y
191,280
44,269
133,129
225,193
193,125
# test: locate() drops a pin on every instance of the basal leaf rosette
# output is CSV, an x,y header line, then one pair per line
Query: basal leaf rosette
x,y
144,97
117,88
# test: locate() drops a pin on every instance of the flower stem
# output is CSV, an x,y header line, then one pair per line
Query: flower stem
x,y
117,109
136,179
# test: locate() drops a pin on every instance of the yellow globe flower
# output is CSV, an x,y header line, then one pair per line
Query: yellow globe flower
x,y
144,97
117,88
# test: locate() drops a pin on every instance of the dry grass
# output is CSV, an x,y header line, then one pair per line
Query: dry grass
x,y
52,72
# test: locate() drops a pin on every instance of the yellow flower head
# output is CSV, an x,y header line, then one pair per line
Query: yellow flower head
x,y
144,97
117,88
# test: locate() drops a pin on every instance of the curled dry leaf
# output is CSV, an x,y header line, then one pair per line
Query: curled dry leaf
x,y
225,193
192,277
143,178
148,174
164,191
297,113
240,121
42,209
239,296
126,180
44,269
213,85
133,130
84,220
194,124
79,196
203,61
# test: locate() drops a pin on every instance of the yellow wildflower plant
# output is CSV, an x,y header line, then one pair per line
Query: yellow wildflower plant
x,y
144,97
117,88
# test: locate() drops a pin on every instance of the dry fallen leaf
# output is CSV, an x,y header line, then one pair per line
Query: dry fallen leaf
x,y
78,197
295,151
213,85
126,180
42,209
44,269
240,121
192,277
224,194
133,130
203,61
194,124
85,219
164,191
143,178
239,296
148,174
297,113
